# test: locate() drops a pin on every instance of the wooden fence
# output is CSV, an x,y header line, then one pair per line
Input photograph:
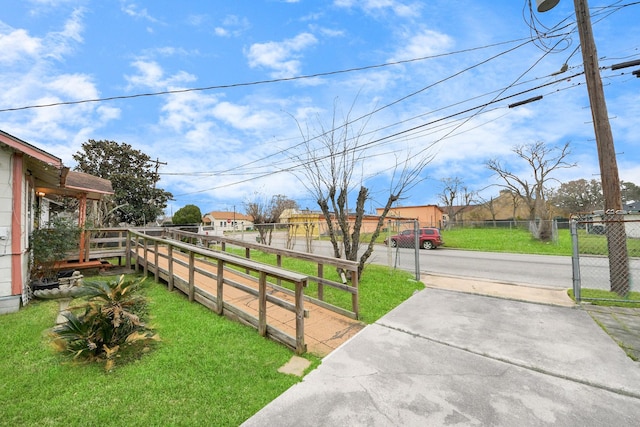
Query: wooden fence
x,y
350,268
162,257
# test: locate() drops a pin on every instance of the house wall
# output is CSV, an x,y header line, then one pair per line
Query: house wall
x,y
13,242
427,215
6,206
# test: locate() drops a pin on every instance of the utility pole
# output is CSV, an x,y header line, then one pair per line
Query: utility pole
x,y
156,176
615,228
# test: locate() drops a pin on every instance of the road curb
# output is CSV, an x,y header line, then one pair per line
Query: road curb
x,y
513,291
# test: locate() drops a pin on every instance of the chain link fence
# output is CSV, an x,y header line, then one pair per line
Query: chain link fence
x,y
606,255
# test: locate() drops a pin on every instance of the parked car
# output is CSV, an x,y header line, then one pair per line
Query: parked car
x,y
429,238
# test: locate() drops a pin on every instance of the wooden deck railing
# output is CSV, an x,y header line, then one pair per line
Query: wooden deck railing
x,y
105,243
349,267
149,252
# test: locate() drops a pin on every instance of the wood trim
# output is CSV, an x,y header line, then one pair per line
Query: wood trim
x,y
16,225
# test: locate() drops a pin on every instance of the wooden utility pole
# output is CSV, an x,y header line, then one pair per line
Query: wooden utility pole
x,y
616,233
604,137
156,177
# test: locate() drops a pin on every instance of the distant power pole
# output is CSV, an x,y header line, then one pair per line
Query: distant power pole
x,y
156,177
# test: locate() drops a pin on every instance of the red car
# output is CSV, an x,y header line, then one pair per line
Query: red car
x,y
429,238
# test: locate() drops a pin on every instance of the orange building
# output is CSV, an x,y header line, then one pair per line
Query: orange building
x,y
427,215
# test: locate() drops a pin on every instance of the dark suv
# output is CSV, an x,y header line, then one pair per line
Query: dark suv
x,y
429,238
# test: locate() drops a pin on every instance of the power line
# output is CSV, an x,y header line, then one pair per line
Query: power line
x,y
254,83
370,143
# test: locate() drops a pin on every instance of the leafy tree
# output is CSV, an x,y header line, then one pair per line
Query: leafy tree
x,y
190,214
630,192
578,196
542,160
134,178
266,213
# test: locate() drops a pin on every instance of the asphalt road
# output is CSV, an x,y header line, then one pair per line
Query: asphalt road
x,y
539,270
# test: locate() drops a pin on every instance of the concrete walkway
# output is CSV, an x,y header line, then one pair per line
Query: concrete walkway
x,y
462,358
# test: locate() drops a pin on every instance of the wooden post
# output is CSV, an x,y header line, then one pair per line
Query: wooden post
x,y
301,347
128,250
219,288
87,245
279,263
156,274
192,276
320,285
170,260
247,255
82,219
355,301
146,257
262,304
616,237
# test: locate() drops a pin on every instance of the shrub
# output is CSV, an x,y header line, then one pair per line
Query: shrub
x,y
50,244
110,318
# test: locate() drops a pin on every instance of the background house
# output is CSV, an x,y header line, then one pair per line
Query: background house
x,y
27,176
228,221
427,215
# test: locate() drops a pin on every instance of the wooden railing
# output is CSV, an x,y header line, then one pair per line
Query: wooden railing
x,y
149,252
349,267
105,243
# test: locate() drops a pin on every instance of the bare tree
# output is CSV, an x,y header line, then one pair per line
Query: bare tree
x,y
448,195
456,197
542,160
334,160
266,214
490,205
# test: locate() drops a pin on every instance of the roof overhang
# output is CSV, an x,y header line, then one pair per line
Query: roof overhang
x,y
75,184
50,176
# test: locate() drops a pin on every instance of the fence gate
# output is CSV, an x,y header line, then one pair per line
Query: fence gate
x,y
403,245
606,255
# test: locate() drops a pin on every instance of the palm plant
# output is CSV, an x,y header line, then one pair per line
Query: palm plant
x,y
111,317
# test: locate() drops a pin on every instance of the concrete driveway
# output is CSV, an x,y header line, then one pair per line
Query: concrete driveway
x,y
446,357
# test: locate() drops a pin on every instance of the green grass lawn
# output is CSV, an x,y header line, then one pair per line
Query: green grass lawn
x,y
380,289
207,370
602,297
518,240
515,240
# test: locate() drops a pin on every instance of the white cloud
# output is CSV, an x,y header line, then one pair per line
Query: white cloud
x,y
219,31
244,117
133,10
72,87
59,44
15,45
377,6
150,74
185,110
425,43
280,56
232,26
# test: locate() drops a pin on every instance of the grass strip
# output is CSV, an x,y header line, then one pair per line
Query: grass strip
x,y
206,371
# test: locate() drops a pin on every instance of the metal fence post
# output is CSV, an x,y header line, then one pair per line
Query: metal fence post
x,y
389,244
575,260
416,229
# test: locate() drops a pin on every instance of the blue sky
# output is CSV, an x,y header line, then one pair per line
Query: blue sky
x,y
437,62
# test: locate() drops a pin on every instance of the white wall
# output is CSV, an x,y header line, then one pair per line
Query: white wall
x,y
6,206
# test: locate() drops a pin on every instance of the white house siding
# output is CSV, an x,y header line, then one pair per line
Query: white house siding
x,y
6,206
